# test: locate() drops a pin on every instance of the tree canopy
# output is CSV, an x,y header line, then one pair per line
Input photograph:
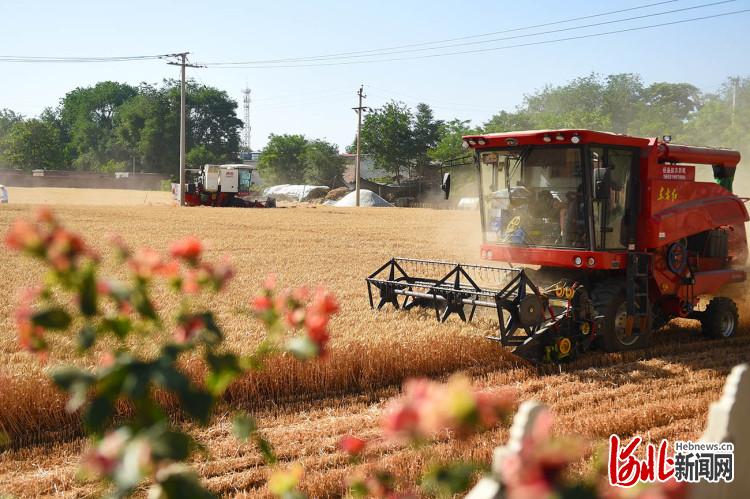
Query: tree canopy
x,y
399,139
33,144
293,159
111,124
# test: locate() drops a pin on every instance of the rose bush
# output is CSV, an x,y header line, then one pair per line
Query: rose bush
x,y
143,446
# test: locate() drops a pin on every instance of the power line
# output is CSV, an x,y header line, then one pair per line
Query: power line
x,y
491,49
55,59
447,40
514,37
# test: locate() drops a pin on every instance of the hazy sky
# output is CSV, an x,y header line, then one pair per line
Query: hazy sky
x,y
317,100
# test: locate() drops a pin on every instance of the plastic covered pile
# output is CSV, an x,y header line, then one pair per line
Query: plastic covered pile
x,y
366,198
296,192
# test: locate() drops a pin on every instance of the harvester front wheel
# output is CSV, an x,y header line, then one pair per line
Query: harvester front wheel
x,y
609,300
720,318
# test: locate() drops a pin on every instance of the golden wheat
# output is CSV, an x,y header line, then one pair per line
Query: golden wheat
x,y
305,408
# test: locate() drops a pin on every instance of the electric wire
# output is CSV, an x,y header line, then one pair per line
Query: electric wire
x,y
490,49
514,37
61,59
447,40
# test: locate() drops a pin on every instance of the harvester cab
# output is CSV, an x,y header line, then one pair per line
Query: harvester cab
x,y
224,185
606,237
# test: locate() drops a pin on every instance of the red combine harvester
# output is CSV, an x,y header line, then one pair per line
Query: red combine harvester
x,y
614,233
223,185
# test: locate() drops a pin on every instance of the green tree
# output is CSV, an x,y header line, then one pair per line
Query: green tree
x,y
33,144
451,138
387,136
213,121
87,117
622,100
723,120
426,133
8,118
508,121
282,161
322,162
199,156
147,125
667,107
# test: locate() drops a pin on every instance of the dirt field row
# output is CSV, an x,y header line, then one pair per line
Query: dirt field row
x,y
304,410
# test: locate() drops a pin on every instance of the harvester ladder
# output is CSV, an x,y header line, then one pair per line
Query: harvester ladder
x,y
636,288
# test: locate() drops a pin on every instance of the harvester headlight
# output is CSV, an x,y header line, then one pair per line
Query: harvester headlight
x,y
547,138
578,261
590,261
511,141
472,142
489,255
481,142
575,139
560,137
465,144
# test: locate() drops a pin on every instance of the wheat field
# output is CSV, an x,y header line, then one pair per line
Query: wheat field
x,y
305,409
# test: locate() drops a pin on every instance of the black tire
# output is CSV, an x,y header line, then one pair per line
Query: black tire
x,y
720,320
608,299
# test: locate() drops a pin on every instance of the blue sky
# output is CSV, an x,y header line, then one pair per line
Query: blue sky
x,y
317,101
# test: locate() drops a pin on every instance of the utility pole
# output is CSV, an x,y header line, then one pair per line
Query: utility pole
x,y
359,110
734,96
183,64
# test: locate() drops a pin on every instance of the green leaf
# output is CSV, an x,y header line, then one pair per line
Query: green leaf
x,y
87,293
65,377
212,335
86,337
98,413
243,426
303,347
119,326
142,303
177,481
266,449
224,369
197,404
172,445
52,318
76,383
448,479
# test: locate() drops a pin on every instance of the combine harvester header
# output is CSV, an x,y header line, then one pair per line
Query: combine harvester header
x,y
615,230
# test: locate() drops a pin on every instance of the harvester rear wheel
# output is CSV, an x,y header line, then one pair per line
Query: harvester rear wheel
x,y
609,300
720,319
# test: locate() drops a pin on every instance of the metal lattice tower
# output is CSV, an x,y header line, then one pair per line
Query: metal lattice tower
x,y
246,104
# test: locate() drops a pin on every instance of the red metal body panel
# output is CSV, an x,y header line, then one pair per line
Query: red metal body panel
x,y
680,209
554,257
669,153
536,137
672,207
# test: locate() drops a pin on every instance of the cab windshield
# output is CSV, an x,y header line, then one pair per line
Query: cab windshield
x,y
244,180
534,197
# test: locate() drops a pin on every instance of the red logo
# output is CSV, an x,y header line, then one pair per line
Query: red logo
x,y
625,469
